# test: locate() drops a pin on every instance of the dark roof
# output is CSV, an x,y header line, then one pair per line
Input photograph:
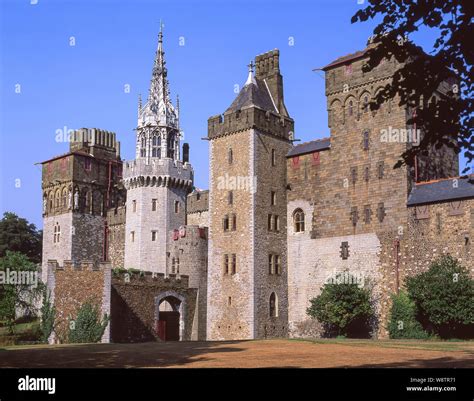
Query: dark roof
x,y
309,147
443,190
76,152
346,58
253,95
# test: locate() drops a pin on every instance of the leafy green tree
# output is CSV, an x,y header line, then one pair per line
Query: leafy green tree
x,y
402,321
88,327
447,121
17,235
48,315
444,297
343,308
20,287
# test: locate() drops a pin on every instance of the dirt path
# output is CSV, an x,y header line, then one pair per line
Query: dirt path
x,y
245,354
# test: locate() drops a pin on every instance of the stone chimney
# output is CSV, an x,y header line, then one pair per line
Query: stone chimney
x,y
268,70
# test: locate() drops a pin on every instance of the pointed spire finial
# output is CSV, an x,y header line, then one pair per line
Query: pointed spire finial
x,y
160,35
251,78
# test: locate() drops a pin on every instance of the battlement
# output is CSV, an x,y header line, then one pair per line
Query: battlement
x,y
131,277
197,201
116,216
250,118
267,63
159,172
189,233
78,266
94,138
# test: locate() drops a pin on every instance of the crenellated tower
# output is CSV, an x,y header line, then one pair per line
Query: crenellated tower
x,y
247,273
157,181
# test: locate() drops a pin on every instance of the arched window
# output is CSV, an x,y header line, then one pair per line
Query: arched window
x,y
58,199
366,104
64,199
171,145
51,201
351,108
273,305
57,233
298,220
230,156
143,147
156,146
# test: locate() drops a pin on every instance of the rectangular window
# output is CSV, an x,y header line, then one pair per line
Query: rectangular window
x,y
225,223
380,170
366,174
345,250
234,222
277,264
366,140
276,223
273,157
176,206
353,175
230,197
153,205
226,264
229,301
270,222
270,264
132,236
134,206
234,263
380,211
273,198
153,235
354,215
367,214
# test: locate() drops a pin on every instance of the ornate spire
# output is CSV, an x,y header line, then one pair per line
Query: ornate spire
x,y
251,78
159,110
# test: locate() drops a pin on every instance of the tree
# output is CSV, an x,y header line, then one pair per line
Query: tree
x,y
20,287
444,297
48,315
402,321
17,235
448,121
343,308
87,328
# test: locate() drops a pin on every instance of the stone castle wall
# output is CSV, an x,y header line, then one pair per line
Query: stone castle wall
x,y
72,285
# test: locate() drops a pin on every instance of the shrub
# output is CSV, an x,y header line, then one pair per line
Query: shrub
x,y
444,298
48,314
402,321
344,309
87,328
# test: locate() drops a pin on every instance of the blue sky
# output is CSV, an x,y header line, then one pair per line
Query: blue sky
x,y
115,42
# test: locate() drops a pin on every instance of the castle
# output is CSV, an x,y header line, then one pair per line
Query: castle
x,y
242,259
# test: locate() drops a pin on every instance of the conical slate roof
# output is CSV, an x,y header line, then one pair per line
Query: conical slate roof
x,y
254,93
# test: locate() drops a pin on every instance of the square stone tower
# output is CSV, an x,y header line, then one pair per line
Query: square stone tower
x,y
157,181
78,187
247,273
